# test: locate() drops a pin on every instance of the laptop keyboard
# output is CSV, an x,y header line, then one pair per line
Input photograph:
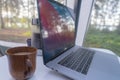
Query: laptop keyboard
x,y
79,61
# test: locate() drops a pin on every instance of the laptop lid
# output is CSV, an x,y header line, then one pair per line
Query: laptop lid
x,y
57,28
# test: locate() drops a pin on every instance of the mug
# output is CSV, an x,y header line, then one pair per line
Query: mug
x,y
22,62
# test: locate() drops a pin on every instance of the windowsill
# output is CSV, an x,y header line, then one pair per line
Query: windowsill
x,y
11,44
4,45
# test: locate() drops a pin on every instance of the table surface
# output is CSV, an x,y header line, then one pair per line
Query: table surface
x,y
41,73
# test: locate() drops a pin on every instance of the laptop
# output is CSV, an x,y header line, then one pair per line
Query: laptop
x,y
60,53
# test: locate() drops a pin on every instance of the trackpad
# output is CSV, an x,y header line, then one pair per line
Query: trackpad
x,y
105,67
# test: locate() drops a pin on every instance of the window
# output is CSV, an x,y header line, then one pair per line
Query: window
x,y
61,1
15,19
71,4
104,27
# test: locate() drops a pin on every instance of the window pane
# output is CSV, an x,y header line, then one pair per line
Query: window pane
x,y
104,28
15,19
61,1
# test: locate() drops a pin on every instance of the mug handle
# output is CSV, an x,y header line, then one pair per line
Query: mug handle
x,y
29,68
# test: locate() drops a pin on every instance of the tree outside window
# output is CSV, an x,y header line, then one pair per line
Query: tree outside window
x,y
104,27
15,19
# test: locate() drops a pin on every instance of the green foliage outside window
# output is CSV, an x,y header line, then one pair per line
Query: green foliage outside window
x,y
103,39
104,29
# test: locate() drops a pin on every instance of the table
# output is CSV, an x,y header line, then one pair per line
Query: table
x,y
41,73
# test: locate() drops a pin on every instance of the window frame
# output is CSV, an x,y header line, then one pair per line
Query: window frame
x,y
83,19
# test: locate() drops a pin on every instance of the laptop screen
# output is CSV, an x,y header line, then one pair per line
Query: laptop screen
x,y
57,27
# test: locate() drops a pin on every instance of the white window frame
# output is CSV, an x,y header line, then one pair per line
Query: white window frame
x,y
83,20
70,3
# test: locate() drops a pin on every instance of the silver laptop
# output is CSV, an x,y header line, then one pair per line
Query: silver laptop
x,y
60,53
